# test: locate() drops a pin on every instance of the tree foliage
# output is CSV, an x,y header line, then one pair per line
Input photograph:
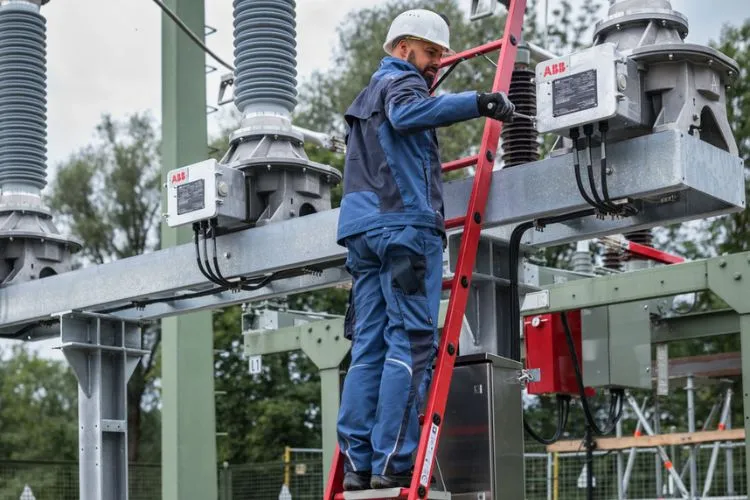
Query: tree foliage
x,y
263,413
39,409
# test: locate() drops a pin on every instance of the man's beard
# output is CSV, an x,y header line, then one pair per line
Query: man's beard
x,y
412,58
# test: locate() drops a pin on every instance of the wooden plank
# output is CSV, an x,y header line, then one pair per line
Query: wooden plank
x,y
678,438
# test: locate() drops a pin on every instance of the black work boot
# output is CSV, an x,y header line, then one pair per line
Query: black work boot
x,y
391,481
355,481
402,480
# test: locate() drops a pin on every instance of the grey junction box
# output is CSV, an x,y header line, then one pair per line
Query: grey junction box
x,y
616,346
481,444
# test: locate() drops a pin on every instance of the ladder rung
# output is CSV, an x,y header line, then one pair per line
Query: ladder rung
x,y
459,164
374,494
455,222
471,53
447,284
388,494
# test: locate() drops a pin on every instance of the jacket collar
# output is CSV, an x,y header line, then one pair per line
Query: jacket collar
x,y
394,63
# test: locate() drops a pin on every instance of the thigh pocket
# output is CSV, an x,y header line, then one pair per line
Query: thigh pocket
x,y
415,312
408,282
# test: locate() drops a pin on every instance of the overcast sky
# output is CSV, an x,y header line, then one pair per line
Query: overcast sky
x,y
104,55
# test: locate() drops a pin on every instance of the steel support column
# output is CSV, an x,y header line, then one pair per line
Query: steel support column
x,y
188,411
745,340
103,353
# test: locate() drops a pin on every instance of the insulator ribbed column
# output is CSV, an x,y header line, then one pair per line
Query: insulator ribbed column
x,y
23,96
519,136
265,55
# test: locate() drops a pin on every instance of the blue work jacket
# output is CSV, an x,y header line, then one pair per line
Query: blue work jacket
x,y
392,174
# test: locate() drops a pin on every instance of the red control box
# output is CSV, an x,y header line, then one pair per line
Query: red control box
x,y
547,350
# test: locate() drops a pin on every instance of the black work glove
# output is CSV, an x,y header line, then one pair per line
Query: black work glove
x,y
496,105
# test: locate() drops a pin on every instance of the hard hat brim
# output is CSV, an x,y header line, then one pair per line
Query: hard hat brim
x,y
447,51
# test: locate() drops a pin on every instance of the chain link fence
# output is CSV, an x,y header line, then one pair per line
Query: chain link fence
x,y
41,480
549,476
301,471
562,476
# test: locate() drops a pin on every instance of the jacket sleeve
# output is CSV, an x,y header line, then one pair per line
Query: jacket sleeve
x,y
410,108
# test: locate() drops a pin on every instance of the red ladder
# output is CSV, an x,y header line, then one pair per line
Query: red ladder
x,y
459,285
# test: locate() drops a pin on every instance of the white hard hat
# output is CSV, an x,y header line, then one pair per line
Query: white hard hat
x,y
422,24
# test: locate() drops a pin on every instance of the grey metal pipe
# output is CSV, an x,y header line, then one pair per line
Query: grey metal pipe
x,y
730,461
706,424
690,388
540,54
660,449
717,444
620,465
657,463
632,454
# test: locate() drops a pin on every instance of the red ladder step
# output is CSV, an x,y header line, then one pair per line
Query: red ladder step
x,y
469,161
455,222
394,493
472,53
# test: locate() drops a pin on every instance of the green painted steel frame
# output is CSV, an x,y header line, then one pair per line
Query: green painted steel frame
x,y
726,276
189,470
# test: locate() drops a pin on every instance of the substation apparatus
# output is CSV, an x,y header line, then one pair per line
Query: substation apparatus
x,y
265,176
31,246
644,141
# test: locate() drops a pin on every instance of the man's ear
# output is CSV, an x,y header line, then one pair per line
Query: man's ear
x,y
402,48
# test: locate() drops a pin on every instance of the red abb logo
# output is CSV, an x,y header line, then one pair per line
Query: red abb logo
x,y
179,177
555,69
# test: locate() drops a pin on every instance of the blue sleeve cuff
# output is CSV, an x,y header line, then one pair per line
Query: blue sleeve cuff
x,y
467,105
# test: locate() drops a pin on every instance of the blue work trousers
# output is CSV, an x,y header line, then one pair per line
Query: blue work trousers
x,y
392,319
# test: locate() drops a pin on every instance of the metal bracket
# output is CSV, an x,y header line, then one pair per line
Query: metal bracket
x,y
227,81
528,375
482,8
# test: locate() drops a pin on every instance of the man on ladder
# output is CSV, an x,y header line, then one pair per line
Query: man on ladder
x,y
391,222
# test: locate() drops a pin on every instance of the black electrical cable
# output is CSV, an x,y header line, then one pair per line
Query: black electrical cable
x,y
603,127
213,276
588,131
243,283
186,29
177,298
574,135
444,76
605,201
208,275
515,311
513,257
563,410
616,396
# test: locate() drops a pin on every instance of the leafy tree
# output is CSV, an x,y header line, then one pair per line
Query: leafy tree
x,y
108,194
38,421
38,414
262,414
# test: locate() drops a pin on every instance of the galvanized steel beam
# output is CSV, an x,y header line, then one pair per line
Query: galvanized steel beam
x,y
654,166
